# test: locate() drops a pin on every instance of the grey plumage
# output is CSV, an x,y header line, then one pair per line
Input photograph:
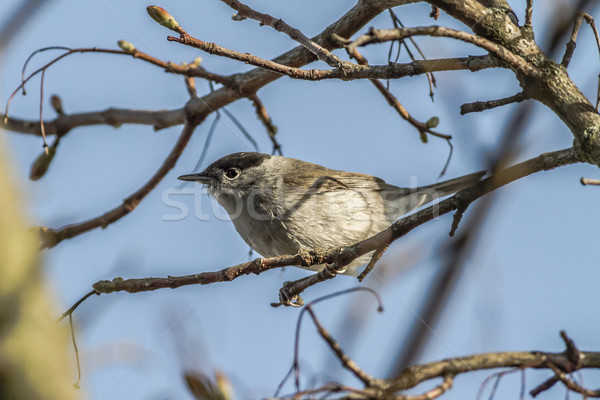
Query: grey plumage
x,y
282,205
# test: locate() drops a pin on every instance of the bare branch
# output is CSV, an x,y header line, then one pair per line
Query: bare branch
x,y
42,130
114,117
398,24
587,181
528,14
333,344
264,117
191,70
572,43
478,106
374,258
74,342
436,391
51,237
414,375
449,368
383,35
569,383
547,384
393,101
279,25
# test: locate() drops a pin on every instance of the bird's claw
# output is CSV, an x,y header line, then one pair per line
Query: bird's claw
x,y
287,298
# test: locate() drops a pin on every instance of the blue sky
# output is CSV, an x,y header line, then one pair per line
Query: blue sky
x,y
534,271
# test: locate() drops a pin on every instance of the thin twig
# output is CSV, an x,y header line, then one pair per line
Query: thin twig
x,y
430,77
51,237
264,117
42,129
346,361
279,25
570,384
77,303
190,84
479,106
528,14
436,391
587,181
571,44
248,58
374,258
295,368
189,70
485,383
421,127
239,125
32,55
209,136
393,101
523,385
76,384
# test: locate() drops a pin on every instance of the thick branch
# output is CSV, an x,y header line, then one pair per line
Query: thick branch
x,y
414,375
552,86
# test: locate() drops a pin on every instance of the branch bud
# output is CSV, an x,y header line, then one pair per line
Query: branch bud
x,y
126,46
41,164
56,104
161,16
433,122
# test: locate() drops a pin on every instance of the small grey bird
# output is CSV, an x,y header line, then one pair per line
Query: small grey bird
x,y
282,205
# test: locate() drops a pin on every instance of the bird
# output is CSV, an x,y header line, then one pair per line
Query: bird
x,y
282,205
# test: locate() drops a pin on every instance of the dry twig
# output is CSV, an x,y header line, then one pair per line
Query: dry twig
x,y
478,106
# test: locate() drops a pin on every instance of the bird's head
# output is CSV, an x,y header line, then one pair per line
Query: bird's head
x,y
233,175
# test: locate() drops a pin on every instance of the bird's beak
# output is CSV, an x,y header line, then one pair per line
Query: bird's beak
x,y
201,177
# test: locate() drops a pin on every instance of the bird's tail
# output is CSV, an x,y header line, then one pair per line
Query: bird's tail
x,y
406,200
451,186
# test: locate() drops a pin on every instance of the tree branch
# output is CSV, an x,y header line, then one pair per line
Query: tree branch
x,y
383,35
114,117
51,237
414,375
279,25
479,106
421,127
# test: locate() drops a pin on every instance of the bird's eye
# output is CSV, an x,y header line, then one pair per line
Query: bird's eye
x,y
232,173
